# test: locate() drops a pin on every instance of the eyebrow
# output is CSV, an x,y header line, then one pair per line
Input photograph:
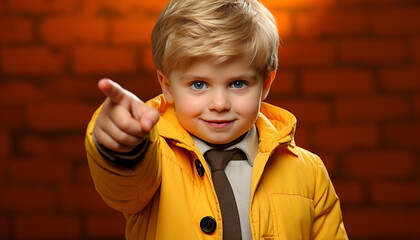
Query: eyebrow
x,y
244,76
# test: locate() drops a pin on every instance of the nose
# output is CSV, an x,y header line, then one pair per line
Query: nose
x,y
219,101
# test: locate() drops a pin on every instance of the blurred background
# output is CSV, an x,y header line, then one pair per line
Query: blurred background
x,y
349,71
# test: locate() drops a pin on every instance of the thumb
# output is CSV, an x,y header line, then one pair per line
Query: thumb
x,y
148,118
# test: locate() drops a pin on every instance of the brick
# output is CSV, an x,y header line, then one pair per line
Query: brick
x,y
5,145
307,111
302,137
272,4
284,83
81,198
122,8
15,198
20,92
76,88
31,61
59,116
417,106
16,30
403,134
284,22
48,226
330,162
306,54
71,146
47,171
135,5
36,146
379,164
332,23
381,223
346,137
106,226
131,6
396,21
415,50
88,60
4,227
132,30
145,87
374,3
372,108
400,79
395,193
93,7
15,117
5,153
366,51
3,6
62,147
337,82
83,176
42,6
68,30
349,192
147,59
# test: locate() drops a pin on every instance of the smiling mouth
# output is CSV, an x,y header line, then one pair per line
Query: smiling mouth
x,y
218,123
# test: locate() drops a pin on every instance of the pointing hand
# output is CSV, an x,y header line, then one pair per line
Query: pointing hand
x,y
124,121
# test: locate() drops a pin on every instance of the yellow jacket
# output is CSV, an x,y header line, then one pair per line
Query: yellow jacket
x,y
164,196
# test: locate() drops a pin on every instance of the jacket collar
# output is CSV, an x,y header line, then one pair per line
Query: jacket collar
x,y
276,126
168,125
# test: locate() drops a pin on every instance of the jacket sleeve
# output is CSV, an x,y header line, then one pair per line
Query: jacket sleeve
x,y
128,190
328,221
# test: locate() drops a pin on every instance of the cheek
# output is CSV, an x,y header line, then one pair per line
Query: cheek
x,y
188,106
248,107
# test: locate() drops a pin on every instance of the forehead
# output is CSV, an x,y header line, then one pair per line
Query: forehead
x,y
212,68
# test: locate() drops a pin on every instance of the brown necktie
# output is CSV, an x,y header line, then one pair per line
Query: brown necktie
x,y
218,159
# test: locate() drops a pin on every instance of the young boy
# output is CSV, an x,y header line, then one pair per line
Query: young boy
x,y
216,61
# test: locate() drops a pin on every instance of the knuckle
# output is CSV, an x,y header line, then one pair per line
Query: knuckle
x,y
123,138
124,124
112,145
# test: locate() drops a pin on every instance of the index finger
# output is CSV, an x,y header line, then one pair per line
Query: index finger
x,y
112,90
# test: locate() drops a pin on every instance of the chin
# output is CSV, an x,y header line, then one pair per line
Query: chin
x,y
217,141
222,142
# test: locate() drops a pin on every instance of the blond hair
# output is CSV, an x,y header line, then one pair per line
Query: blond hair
x,y
221,29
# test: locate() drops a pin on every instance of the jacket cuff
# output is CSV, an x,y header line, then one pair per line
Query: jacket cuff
x,y
123,159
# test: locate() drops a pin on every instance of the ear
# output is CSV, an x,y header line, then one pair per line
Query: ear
x,y
267,85
165,84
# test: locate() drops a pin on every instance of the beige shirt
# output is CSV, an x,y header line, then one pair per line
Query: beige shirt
x,y
239,174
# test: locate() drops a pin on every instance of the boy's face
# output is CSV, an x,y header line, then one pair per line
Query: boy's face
x,y
216,102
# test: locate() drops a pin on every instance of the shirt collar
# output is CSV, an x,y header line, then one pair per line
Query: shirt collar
x,y
249,145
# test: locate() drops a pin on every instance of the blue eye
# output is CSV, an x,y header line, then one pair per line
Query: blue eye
x,y
198,85
238,84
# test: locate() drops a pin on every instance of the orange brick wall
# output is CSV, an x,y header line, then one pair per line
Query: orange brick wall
x,y
349,70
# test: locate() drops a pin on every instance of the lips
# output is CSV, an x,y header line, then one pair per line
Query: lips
x,y
218,123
